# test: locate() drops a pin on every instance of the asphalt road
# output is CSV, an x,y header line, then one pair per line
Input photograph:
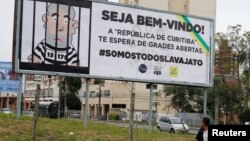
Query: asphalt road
x,y
125,124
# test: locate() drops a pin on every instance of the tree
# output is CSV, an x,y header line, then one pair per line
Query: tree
x,y
70,86
241,45
156,103
228,85
185,98
246,70
229,100
244,116
73,102
246,85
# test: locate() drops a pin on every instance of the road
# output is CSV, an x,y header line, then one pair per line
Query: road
x,y
192,130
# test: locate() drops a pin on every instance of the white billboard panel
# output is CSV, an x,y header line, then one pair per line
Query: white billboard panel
x,y
145,45
110,41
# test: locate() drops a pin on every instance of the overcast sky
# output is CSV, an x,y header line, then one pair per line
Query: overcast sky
x,y
232,12
229,12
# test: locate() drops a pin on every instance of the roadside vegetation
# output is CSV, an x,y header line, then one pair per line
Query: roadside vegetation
x,y
12,129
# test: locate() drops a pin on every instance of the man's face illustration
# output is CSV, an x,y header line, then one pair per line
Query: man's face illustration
x,y
65,21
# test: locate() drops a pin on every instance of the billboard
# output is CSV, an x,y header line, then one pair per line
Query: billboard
x,y
115,42
8,79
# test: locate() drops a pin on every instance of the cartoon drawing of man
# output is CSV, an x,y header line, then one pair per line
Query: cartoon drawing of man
x,y
57,46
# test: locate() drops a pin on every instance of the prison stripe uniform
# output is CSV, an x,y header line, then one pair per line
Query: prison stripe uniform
x,y
57,56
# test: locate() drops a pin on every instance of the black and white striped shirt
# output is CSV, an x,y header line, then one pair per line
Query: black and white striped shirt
x,y
57,56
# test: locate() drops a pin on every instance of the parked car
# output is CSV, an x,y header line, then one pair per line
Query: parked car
x,y
29,112
6,110
172,124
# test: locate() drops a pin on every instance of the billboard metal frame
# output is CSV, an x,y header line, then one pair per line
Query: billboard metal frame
x,y
211,54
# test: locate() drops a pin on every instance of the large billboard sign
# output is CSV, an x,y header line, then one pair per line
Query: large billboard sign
x,y
102,40
8,79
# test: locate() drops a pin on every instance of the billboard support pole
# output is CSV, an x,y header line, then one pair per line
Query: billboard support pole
x,y
205,103
131,116
19,96
150,108
86,104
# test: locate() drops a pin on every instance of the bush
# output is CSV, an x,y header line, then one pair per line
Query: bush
x,y
244,116
113,117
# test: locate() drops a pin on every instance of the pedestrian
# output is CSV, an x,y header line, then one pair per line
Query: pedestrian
x,y
202,135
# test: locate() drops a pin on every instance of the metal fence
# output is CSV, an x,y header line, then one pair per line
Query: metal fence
x,y
193,119
73,114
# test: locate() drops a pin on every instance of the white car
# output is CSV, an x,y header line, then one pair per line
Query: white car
x,y
172,124
6,110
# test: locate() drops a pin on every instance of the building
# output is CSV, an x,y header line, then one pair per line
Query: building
x,y
116,95
8,86
48,85
201,8
49,89
8,100
225,60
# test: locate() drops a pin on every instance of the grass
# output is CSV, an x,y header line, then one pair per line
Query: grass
x,y
12,129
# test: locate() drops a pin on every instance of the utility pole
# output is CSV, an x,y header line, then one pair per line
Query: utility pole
x,y
205,103
86,104
59,98
65,105
99,103
150,108
35,118
49,86
156,101
8,101
65,100
131,119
